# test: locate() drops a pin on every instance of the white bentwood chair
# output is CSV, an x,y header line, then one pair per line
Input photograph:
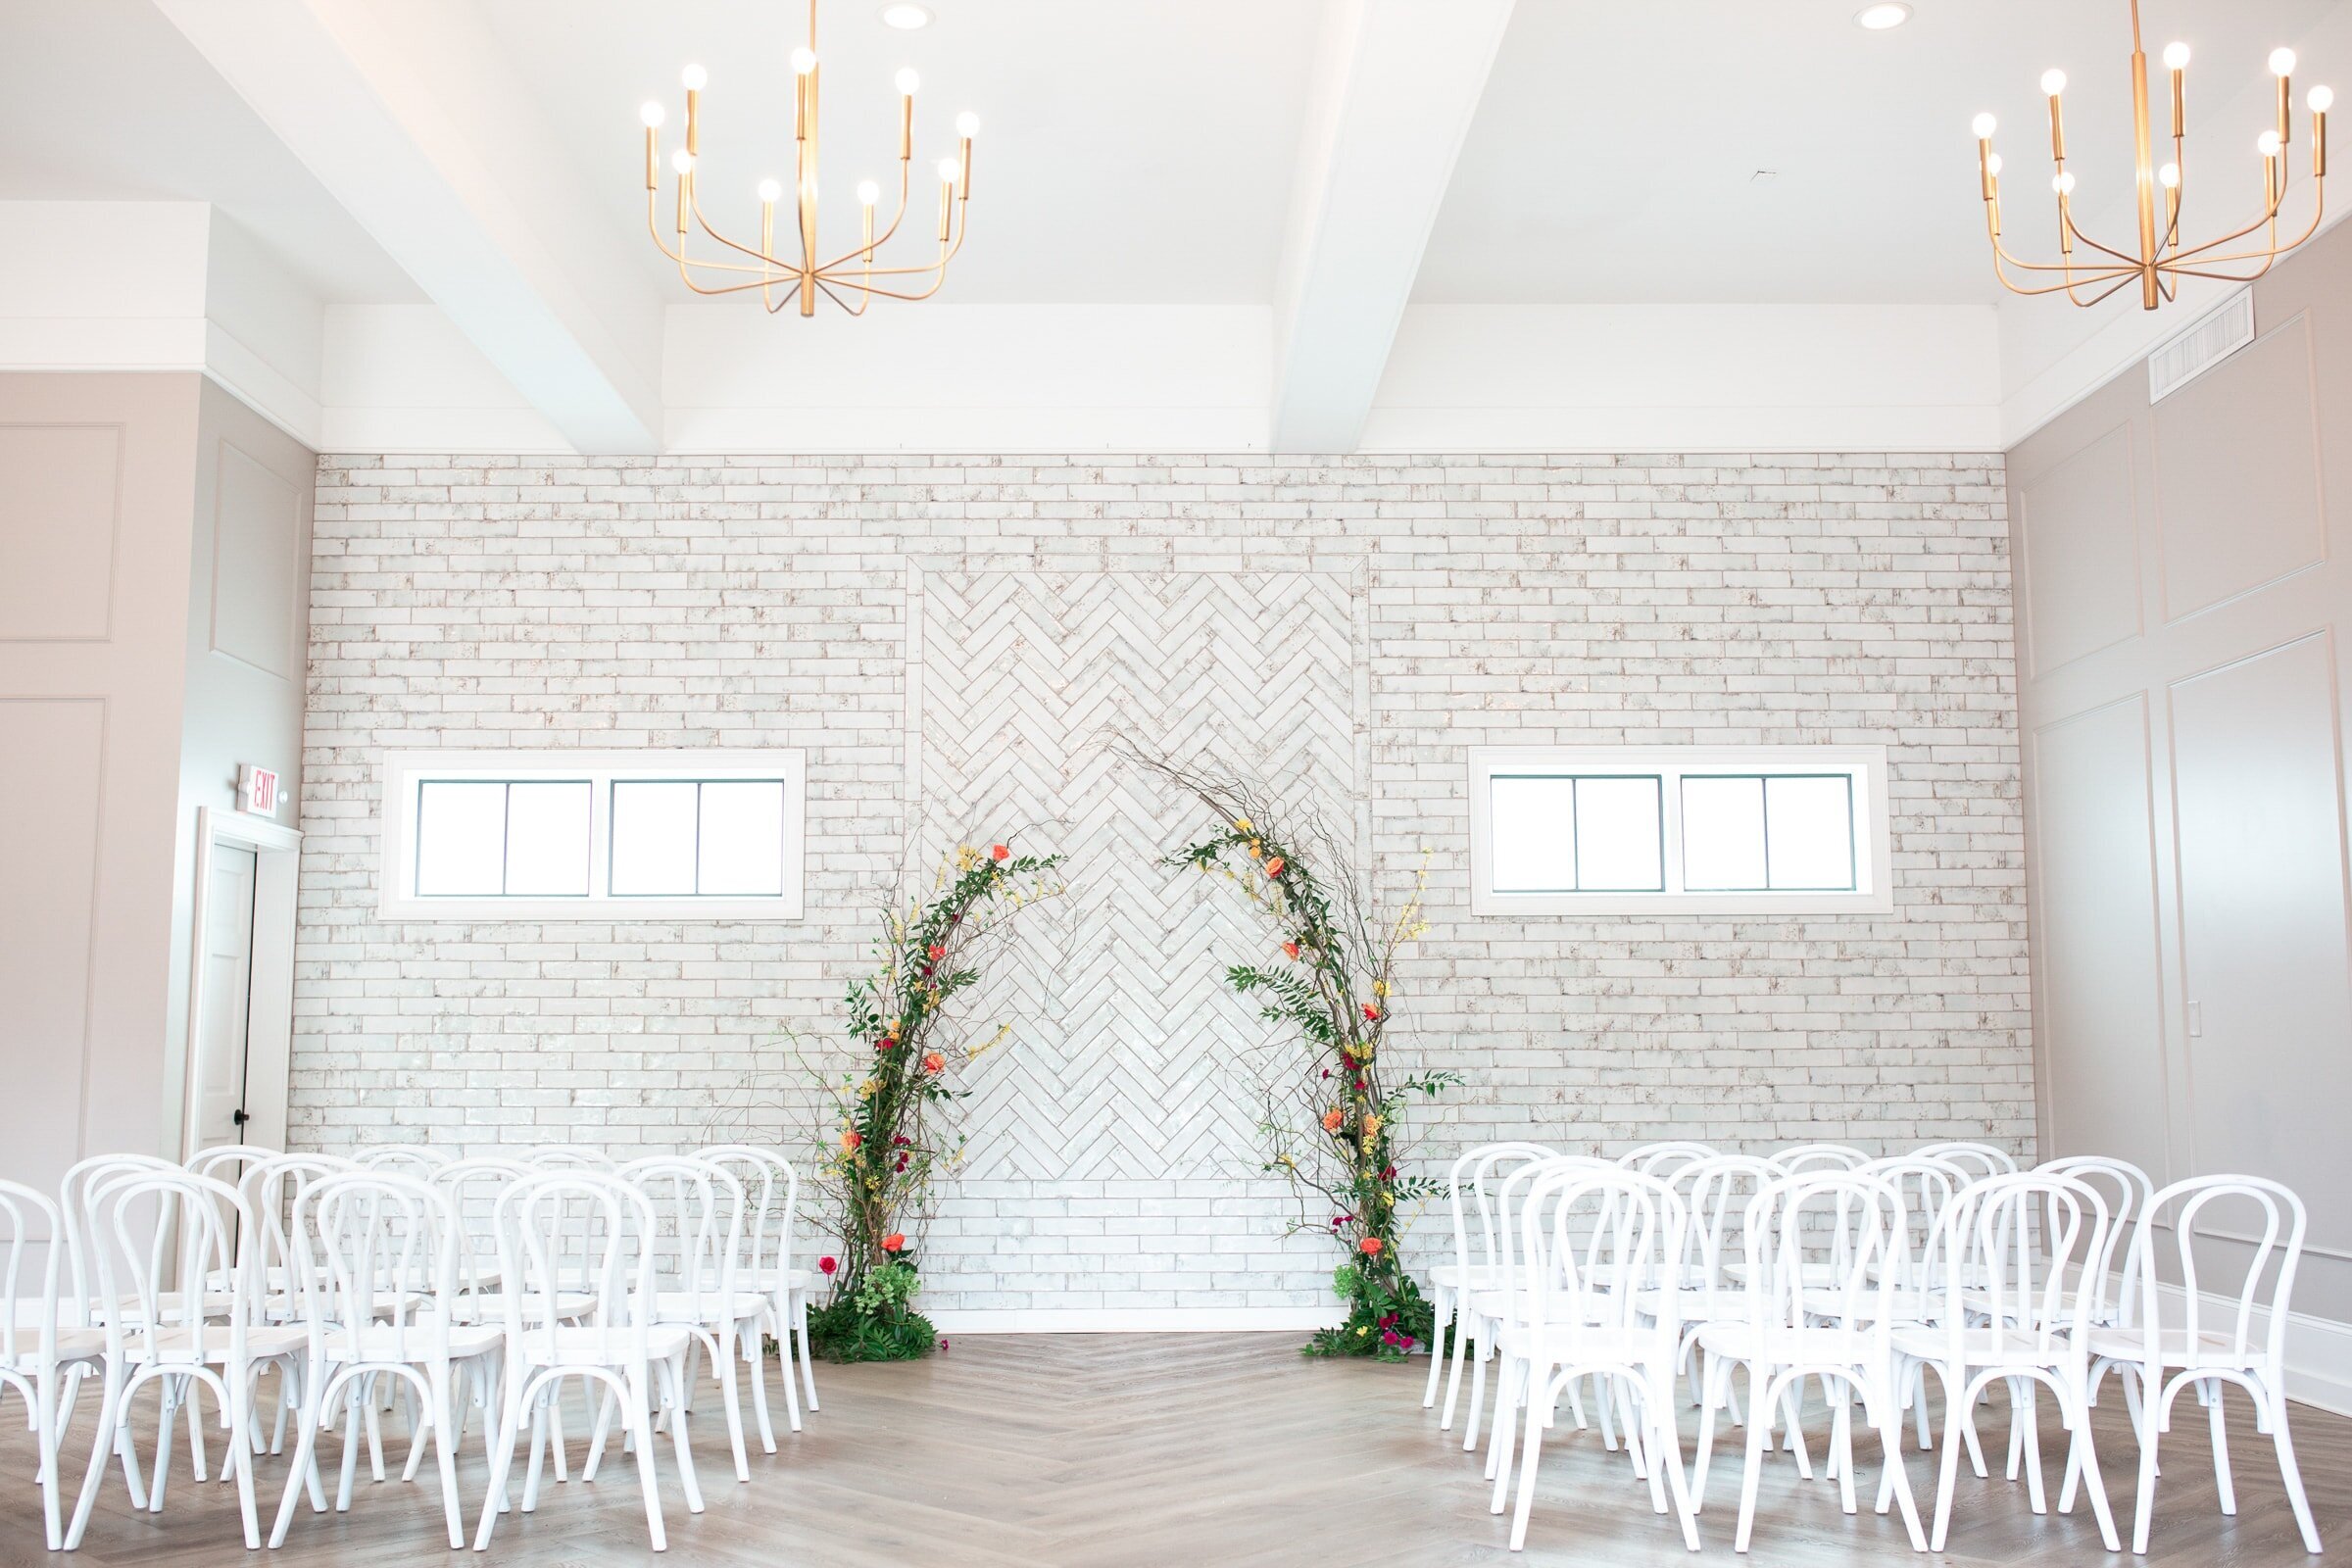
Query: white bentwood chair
x,y
1452,1284
34,1352
2180,1341
771,1199
575,1230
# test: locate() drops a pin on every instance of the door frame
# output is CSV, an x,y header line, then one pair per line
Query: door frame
x,y
269,1004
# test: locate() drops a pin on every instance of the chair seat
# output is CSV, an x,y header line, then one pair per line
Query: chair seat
x,y
1739,1341
1586,1344
1496,1305
591,1347
1980,1346
708,1307
763,1280
1905,1304
382,1343
491,1308
179,1347
2175,1348
72,1345
1480,1275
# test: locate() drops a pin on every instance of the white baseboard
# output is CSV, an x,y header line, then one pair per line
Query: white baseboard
x,y
1136,1320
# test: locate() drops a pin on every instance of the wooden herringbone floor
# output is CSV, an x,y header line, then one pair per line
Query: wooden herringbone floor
x,y
1190,1450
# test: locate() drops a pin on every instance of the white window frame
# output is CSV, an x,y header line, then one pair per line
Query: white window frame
x,y
396,865
1865,765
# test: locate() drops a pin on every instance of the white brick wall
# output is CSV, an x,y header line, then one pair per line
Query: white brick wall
x,y
761,600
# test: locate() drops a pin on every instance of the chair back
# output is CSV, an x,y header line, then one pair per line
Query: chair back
x,y
472,1186
567,1156
274,1245
2210,1222
699,1216
1806,1158
1819,1246
577,1233
29,1284
2128,1192
1715,1195
1475,1175
2018,1245
383,1269
75,1202
1592,1236
772,1196
155,1238
1980,1160
1510,1200
417,1161
1662,1160
1925,1187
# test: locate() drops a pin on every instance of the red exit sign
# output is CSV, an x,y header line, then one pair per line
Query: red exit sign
x,y
257,790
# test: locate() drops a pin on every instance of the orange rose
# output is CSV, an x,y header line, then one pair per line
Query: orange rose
x,y
1370,1245
849,1140
893,1243
1370,1012
1274,866
935,1062
1332,1120
937,952
999,851
1290,949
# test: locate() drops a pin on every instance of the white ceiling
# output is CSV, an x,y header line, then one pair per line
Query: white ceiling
x,y
1614,156
1130,150
104,100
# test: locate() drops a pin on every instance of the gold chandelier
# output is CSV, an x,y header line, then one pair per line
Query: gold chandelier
x,y
847,279
2159,261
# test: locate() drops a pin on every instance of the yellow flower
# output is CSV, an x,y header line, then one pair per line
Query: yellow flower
x,y
1380,988
1371,1128
1240,825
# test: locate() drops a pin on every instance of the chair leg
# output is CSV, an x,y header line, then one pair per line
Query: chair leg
x,y
538,1464
1463,1329
2291,1473
757,1355
641,1429
502,1454
305,1466
731,1394
1666,1452
1897,1480
605,1407
1842,1452
2079,1416
1947,1473
674,1374
1478,1397
1751,1473
445,1456
2028,1438
102,1443
1718,1373
784,1375
1440,1314
1499,1445
2220,1451
46,1435
799,1320
1527,1472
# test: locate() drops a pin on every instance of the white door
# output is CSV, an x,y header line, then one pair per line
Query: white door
x,y
227,999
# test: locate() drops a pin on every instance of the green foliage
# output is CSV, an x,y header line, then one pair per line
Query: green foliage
x,y
1388,1318
842,1333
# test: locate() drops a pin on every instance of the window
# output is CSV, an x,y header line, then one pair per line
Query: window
x,y
592,835
1679,829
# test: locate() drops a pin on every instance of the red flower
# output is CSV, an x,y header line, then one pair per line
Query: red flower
x,y
826,1265
1370,1012
900,1141
884,1043
1291,948
999,852
851,1140
1370,1245
893,1243
935,1062
1274,866
1390,1338
938,952
902,1164
1388,1173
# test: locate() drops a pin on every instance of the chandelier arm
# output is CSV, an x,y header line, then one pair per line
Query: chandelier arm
x,y
858,308
774,264
882,238
2272,250
2001,256
2132,261
947,255
686,261
2079,280
2270,217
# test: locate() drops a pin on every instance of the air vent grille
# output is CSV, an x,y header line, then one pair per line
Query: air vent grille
x,y
2212,339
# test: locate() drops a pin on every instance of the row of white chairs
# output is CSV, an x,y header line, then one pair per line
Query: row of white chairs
x,y
1862,1274
404,1274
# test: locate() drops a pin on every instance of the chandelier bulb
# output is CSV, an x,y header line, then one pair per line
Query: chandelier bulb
x,y
948,167
2283,61
868,194
695,78
2063,183
1983,125
2266,144
682,161
804,61
2176,56
770,193
967,125
2321,100
2168,176
1993,164
908,81
653,114
2053,83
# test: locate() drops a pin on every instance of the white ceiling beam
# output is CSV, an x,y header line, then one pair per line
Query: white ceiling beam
x,y
1394,93
471,200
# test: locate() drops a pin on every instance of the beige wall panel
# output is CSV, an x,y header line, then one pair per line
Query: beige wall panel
x,y
2101,981
2080,524
2259,822
50,750
2237,473
258,567
60,487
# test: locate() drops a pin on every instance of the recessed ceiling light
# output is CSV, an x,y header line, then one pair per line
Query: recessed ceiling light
x,y
1878,18
906,18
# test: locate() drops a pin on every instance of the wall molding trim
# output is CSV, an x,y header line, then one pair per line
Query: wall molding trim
x,y
1138,1320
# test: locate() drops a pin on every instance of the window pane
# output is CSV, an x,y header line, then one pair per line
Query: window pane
x,y
1533,845
1723,833
547,840
1810,832
742,851
461,838
653,838
1619,844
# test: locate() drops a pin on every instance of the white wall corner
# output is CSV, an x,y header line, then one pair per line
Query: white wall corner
x,y
402,377
264,331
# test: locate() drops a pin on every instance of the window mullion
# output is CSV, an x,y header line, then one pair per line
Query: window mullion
x,y
1670,829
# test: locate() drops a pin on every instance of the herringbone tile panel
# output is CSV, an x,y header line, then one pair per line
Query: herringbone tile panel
x,y
1174,1451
